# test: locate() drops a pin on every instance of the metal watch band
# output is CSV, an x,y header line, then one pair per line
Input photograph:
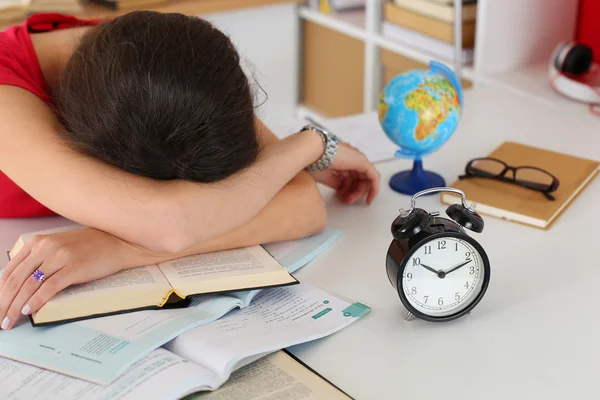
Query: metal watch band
x,y
330,144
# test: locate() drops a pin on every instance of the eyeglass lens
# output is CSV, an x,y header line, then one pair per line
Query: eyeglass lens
x,y
486,168
533,178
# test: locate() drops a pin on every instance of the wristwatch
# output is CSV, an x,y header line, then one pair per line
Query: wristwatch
x,y
330,144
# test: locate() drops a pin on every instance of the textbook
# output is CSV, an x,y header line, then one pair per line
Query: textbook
x,y
169,283
279,375
204,358
101,349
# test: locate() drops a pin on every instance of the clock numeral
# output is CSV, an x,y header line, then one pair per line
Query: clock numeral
x,y
466,285
427,249
413,290
472,270
409,276
416,261
441,301
468,255
455,246
441,245
425,298
456,296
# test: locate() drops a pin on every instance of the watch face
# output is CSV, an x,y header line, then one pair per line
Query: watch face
x,y
444,276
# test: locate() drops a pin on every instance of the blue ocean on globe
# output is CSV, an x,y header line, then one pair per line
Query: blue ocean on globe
x,y
420,110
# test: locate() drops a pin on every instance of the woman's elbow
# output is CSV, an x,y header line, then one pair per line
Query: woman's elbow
x,y
316,213
320,216
168,234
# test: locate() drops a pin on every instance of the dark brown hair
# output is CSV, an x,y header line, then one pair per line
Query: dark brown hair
x,y
159,95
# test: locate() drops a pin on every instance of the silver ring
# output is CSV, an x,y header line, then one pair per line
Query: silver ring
x,y
38,275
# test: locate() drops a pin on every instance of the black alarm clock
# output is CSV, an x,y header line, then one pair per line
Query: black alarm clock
x,y
438,270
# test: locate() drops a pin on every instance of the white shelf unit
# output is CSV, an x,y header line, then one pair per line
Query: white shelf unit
x,y
513,39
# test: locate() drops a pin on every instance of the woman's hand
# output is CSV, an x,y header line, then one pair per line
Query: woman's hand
x,y
351,174
65,258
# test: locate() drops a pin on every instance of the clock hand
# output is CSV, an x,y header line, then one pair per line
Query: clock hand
x,y
429,269
457,267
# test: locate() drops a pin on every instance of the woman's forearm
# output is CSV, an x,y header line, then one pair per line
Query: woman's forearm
x,y
295,212
163,216
235,201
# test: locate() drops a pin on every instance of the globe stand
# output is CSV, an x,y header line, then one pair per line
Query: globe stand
x,y
415,180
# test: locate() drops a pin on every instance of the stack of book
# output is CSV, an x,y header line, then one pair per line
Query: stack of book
x,y
129,5
12,10
328,6
58,6
110,336
429,26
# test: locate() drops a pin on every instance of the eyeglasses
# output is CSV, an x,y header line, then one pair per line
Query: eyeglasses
x,y
529,177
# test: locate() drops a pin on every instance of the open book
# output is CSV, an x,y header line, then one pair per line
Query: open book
x,y
169,283
205,357
101,349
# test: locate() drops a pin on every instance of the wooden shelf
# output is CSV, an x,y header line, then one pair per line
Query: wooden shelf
x,y
188,7
533,81
352,23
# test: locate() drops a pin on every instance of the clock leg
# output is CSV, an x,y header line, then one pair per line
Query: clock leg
x,y
408,316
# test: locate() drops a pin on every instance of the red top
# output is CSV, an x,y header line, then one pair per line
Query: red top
x,y
19,66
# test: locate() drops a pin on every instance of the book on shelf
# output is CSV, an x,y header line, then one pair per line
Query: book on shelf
x,y
166,284
450,2
327,6
205,358
435,47
13,10
101,349
124,5
439,11
429,26
516,203
58,6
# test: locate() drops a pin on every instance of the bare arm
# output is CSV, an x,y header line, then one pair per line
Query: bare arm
x,y
161,216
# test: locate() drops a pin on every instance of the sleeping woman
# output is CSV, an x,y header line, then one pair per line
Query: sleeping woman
x,y
143,129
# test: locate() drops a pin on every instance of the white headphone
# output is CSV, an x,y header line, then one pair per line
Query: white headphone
x,y
570,63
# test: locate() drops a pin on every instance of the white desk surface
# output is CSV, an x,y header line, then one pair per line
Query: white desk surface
x,y
536,333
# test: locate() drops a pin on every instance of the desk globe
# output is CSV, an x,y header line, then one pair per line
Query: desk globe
x,y
419,110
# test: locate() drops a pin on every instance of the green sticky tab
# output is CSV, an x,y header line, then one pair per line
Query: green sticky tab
x,y
356,310
321,313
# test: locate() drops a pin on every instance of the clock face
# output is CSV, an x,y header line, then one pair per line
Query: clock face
x,y
443,276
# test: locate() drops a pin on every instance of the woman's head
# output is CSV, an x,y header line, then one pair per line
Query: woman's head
x,y
159,95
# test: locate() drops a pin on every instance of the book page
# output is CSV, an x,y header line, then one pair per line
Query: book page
x,y
294,254
144,380
276,376
276,319
125,290
224,270
361,131
99,350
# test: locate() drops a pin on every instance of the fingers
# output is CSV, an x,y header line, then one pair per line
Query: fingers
x,y
20,305
346,187
18,259
374,178
57,282
362,187
14,283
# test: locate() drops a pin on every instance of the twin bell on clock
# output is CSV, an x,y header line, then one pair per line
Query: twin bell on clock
x,y
438,270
